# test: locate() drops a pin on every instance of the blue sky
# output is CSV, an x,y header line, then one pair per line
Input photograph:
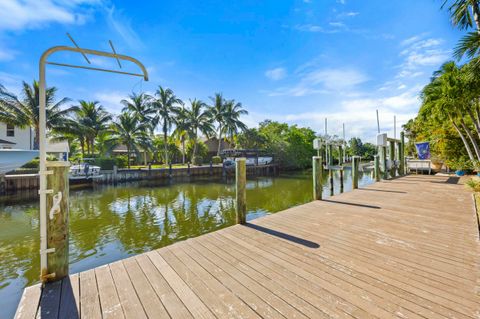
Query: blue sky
x,y
294,61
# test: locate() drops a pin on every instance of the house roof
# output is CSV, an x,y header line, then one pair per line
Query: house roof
x,y
6,142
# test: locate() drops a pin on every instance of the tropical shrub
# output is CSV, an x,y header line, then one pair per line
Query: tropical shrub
x,y
216,160
121,161
34,163
105,163
197,160
461,163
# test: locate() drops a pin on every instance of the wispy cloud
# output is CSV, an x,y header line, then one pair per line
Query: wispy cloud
x,y
320,80
29,14
111,100
276,74
419,52
123,27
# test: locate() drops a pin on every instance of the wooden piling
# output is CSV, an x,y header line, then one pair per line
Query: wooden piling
x,y
383,161
241,190
330,155
57,220
401,154
330,177
341,179
391,153
355,164
317,177
376,171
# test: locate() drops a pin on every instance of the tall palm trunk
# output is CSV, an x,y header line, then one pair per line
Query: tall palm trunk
x,y
219,140
128,156
472,138
476,14
36,140
183,150
165,141
464,140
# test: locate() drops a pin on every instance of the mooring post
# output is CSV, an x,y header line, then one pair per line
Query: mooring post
x,y
330,177
241,190
115,174
340,157
330,155
401,153
341,179
392,158
3,185
355,164
317,166
57,221
383,161
376,171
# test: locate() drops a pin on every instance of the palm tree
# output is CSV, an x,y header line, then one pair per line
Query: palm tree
x,y
92,119
465,14
165,105
233,124
24,112
129,131
446,99
181,130
197,118
140,105
218,113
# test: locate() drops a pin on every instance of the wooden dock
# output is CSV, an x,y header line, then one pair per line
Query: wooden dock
x,y
405,248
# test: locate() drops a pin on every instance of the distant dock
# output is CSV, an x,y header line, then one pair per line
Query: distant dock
x,y
402,248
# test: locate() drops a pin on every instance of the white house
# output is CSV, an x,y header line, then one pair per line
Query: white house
x,y
12,137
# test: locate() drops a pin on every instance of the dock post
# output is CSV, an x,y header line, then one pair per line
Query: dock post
x,y
401,153
115,174
330,155
383,161
355,164
341,179
3,184
376,169
330,177
317,177
57,221
241,190
340,157
392,157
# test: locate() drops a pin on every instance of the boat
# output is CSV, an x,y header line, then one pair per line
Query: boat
x,y
84,172
11,159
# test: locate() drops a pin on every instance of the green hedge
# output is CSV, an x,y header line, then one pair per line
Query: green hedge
x,y
105,163
197,160
216,160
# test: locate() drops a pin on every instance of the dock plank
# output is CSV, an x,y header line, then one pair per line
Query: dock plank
x,y
402,248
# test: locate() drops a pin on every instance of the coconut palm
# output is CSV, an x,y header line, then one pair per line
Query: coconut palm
x,y
166,105
232,122
218,114
446,99
140,105
181,130
129,131
92,119
465,14
197,118
24,112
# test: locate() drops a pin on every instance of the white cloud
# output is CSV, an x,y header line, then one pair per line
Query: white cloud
x,y
341,1
29,14
122,25
111,100
276,74
319,80
7,54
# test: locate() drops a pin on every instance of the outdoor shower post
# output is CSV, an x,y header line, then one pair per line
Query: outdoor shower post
x,y
317,177
376,160
355,164
240,189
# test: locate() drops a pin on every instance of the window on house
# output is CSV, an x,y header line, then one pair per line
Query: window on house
x,y
10,130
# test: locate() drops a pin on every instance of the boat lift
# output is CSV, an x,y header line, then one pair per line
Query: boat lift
x,y
43,191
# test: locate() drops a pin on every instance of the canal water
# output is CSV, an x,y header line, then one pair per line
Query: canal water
x,y
110,223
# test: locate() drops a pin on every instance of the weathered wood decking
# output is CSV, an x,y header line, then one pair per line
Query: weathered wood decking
x,y
406,248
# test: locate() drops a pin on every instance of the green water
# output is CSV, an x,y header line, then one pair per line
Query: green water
x,y
110,223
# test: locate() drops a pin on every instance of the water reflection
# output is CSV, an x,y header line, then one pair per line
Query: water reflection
x,y
111,223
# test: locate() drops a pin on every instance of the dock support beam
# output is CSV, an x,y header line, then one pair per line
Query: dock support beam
x,y
241,190
57,221
376,171
330,155
355,164
383,161
341,179
317,177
